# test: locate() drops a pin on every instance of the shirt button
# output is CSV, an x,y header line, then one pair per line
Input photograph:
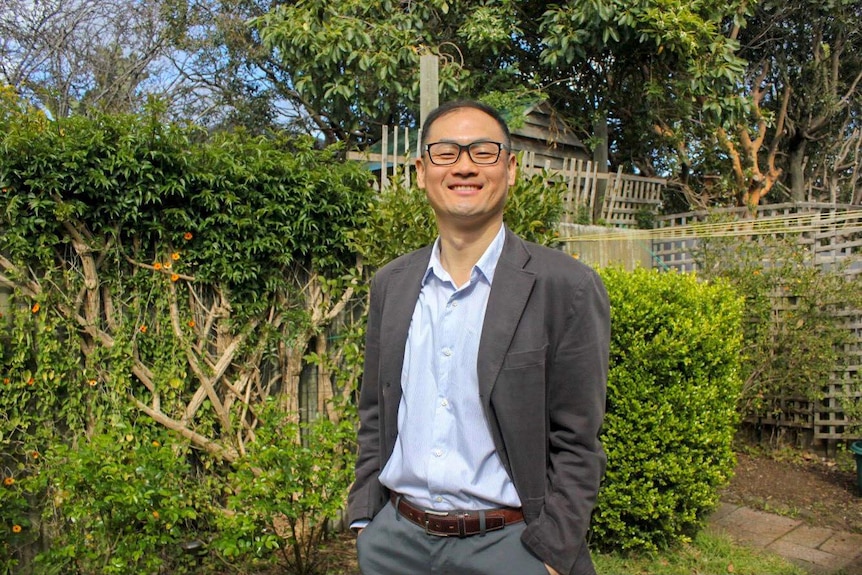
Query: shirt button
x,y
438,499
454,304
438,453
445,403
447,352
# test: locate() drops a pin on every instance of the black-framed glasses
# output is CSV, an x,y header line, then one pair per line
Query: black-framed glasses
x,y
447,153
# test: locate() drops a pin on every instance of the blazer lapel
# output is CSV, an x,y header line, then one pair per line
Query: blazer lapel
x,y
402,291
509,294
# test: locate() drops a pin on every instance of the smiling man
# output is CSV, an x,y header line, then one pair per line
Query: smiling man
x,y
484,386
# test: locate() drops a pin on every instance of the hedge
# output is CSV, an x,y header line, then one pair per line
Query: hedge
x,y
673,388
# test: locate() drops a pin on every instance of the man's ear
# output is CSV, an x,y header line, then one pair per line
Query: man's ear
x,y
512,167
420,173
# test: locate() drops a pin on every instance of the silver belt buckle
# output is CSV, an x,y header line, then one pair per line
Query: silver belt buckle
x,y
436,514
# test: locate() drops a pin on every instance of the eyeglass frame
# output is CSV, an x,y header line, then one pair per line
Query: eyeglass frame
x,y
462,148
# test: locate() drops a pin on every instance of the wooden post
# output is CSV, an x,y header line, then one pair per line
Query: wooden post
x,y
428,85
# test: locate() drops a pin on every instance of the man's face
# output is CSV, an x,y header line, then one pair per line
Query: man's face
x,y
465,193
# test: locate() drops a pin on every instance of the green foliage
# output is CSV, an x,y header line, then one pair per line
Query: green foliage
x,y
160,279
795,328
292,482
659,72
339,55
534,208
672,393
15,515
126,498
246,210
400,221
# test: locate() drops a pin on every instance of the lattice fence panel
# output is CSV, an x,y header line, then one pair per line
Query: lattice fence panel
x,y
831,240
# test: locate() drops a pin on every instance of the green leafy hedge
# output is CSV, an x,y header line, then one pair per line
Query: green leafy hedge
x,y
162,284
672,391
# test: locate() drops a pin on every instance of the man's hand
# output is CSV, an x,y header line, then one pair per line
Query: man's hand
x,y
551,570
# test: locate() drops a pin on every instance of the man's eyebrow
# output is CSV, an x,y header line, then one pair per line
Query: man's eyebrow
x,y
453,141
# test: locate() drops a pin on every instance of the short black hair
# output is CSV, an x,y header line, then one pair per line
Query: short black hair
x,y
454,105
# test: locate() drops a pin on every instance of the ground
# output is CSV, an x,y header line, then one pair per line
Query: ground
x,y
800,484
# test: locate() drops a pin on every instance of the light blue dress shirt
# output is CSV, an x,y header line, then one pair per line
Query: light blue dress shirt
x,y
444,455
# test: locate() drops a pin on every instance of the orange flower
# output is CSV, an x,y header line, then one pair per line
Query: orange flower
x,y
191,323
175,256
143,329
157,266
31,381
92,382
174,277
187,236
36,307
7,481
156,444
35,455
167,265
156,514
6,380
16,529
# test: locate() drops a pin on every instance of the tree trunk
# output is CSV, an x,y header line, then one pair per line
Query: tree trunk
x,y
796,166
600,157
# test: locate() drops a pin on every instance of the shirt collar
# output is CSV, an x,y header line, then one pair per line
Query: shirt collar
x,y
486,265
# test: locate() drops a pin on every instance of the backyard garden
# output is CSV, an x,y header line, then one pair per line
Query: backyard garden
x,y
182,338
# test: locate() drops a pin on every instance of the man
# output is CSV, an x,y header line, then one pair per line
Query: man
x,y
484,385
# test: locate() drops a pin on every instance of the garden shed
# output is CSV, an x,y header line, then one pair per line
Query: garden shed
x,y
544,135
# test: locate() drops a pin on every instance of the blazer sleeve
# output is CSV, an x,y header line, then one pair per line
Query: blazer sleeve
x,y
576,390
366,495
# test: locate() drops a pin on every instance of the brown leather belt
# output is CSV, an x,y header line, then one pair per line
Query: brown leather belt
x,y
457,523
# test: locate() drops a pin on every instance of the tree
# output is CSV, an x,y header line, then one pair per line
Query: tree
x,y
354,65
73,55
644,80
806,64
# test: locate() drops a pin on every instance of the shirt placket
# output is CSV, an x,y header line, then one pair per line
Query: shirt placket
x,y
448,357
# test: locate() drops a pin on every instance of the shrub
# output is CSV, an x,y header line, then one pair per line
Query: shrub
x,y
122,501
796,321
672,390
292,482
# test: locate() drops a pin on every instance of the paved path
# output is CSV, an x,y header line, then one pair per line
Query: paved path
x,y
820,551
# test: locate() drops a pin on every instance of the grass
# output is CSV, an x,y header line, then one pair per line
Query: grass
x,y
708,554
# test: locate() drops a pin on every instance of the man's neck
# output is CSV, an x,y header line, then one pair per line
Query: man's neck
x,y
461,249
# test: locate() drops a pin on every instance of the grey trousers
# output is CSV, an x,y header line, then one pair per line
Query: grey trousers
x,y
392,545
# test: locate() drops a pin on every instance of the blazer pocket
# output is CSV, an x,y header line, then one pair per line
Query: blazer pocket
x,y
522,359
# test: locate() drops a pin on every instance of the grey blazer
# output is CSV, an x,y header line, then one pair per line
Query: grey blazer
x,y
542,366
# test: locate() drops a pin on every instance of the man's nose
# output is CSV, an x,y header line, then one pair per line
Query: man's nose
x,y
464,163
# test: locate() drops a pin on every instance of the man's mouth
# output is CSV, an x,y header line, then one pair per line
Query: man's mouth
x,y
465,187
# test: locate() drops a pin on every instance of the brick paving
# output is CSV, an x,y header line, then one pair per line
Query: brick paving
x,y
820,551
